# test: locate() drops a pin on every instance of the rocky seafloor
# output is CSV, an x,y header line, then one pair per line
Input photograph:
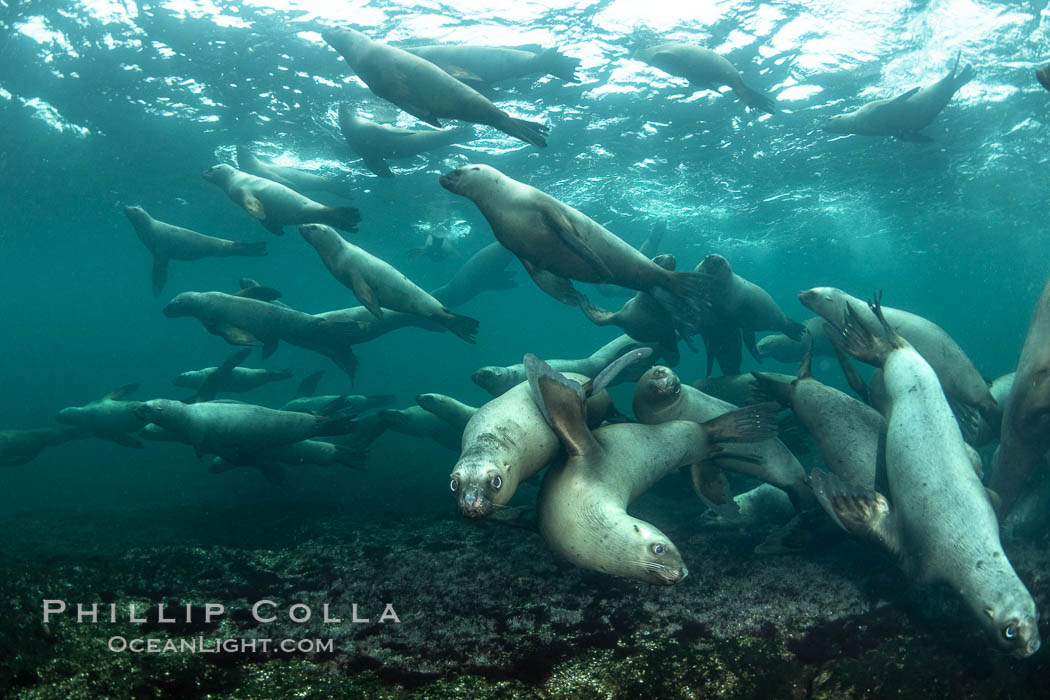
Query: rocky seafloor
x,y
486,610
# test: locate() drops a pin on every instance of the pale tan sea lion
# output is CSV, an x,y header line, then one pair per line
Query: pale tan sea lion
x,y
584,498
483,271
276,206
109,418
167,242
480,66
941,526
378,284
906,115
704,69
423,89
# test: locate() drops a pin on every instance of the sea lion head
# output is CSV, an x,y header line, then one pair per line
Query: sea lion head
x,y
162,412
136,215
491,379
715,266
657,389
182,305
824,301
666,261
649,554
1015,627
218,173
479,485
780,347
469,180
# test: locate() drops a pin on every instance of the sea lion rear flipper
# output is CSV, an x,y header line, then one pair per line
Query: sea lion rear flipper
x,y
751,344
769,389
365,294
210,386
755,99
561,401
352,457
710,484
160,274
570,236
864,513
558,287
377,165
464,327
308,386
747,424
334,425
551,62
119,393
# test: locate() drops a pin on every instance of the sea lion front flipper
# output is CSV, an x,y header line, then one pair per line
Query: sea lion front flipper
x,y
365,294
901,98
308,386
558,287
233,335
864,513
562,402
747,424
259,293
159,273
769,389
751,344
710,484
253,205
210,386
377,165
119,393
570,236
607,375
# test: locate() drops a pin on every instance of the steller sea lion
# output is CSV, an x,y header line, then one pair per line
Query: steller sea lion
x,y
240,379
378,284
243,321
941,526
480,66
19,447
583,500
704,69
292,178
483,271
906,115
109,418
306,400
454,412
557,243
167,242
1025,434
276,206
423,89
375,142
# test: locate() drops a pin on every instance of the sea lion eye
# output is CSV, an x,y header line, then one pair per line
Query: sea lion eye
x,y
1010,632
454,485
657,548
496,482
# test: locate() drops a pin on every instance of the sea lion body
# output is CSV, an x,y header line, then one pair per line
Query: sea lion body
x,y
275,205
377,283
1025,436
422,89
557,243
375,142
479,66
483,271
660,396
941,526
19,447
167,242
904,115
109,418
240,379
292,178
242,321
962,383
704,69
233,430
498,380
745,303
504,443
